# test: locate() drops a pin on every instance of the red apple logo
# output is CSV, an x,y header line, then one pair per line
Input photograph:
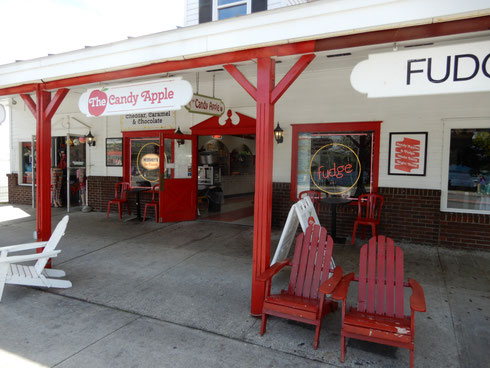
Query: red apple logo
x,y
97,102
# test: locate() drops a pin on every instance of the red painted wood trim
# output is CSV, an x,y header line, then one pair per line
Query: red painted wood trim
x,y
31,105
210,126
242,80
291,76
43,160
264,149
469,25
55,103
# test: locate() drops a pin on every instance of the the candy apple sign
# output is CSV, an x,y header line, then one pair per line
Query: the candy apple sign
x,y
160,95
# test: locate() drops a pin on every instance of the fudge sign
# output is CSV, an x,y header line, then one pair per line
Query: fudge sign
x,y
161,95
424,71
335,168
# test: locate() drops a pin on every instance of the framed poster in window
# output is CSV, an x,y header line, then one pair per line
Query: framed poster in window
x,y
114,152
407,153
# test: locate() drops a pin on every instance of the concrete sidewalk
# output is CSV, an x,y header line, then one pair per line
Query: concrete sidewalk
x,y
178,295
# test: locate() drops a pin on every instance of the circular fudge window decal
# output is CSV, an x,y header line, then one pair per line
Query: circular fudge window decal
x,y
335,168
147,163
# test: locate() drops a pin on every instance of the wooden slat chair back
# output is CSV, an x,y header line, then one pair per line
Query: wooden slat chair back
x,y
381,284
309,283
120,198
15,271
369,207
52,243
379,316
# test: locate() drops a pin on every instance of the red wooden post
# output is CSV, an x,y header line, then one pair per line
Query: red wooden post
x,y
43,111
266,95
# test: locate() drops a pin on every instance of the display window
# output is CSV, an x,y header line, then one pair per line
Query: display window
x,y
26,161
142,161
337,159
466,183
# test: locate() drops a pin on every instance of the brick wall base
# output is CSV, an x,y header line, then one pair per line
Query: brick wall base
x,y
411,215
18,194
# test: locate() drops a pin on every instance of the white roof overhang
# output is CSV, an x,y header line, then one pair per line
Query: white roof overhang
x,y
322,19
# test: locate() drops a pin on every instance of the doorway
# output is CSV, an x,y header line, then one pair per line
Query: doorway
x,y
226,178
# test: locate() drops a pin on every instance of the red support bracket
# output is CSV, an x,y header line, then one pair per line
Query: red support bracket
x,y
29,103
291,76
55,103
242,80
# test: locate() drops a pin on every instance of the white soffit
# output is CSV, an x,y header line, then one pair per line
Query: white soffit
x,y
309,21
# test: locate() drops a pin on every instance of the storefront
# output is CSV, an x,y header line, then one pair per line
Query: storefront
x,y
426,151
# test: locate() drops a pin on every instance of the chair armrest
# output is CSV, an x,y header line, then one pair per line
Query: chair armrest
x,y
27,246
29,257
340,293
417,299
329,285
272,270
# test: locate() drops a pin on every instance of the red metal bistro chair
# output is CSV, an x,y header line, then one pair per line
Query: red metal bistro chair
x,y
315,196
368,213
154,202
379,316
305,299
120,198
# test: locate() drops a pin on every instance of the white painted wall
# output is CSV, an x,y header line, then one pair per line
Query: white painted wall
x,y
4,152
322,94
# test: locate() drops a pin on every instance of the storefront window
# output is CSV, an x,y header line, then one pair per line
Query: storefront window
x,y
26,163
468,184
337,162
145,161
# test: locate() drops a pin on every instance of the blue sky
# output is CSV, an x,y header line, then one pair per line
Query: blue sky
x,y
36,28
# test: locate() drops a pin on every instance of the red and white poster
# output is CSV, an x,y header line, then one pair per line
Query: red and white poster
x,y
167,94
407,153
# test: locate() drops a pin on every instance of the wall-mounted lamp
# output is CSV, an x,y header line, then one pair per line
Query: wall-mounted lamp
x,y
179,141
278,134
90,139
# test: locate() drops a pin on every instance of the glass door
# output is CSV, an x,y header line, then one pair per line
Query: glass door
x,y
75,171
178,177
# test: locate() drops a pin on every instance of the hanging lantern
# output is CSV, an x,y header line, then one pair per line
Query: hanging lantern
x,y
278,134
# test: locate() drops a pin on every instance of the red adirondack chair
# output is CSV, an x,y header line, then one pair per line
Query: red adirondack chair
x,y
153,202
304,300
315,196
368,213
120,198
379,316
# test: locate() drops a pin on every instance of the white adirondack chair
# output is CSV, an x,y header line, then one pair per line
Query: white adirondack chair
x,y
11,272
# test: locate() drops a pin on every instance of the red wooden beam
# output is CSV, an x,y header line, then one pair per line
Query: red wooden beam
x,y
291,76
55,103
242,80
29,103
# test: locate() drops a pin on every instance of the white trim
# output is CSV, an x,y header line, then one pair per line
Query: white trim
x,y
217,8
454,123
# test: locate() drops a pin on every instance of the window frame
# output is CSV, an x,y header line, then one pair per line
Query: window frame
x,y
374,126
448,125
217,7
